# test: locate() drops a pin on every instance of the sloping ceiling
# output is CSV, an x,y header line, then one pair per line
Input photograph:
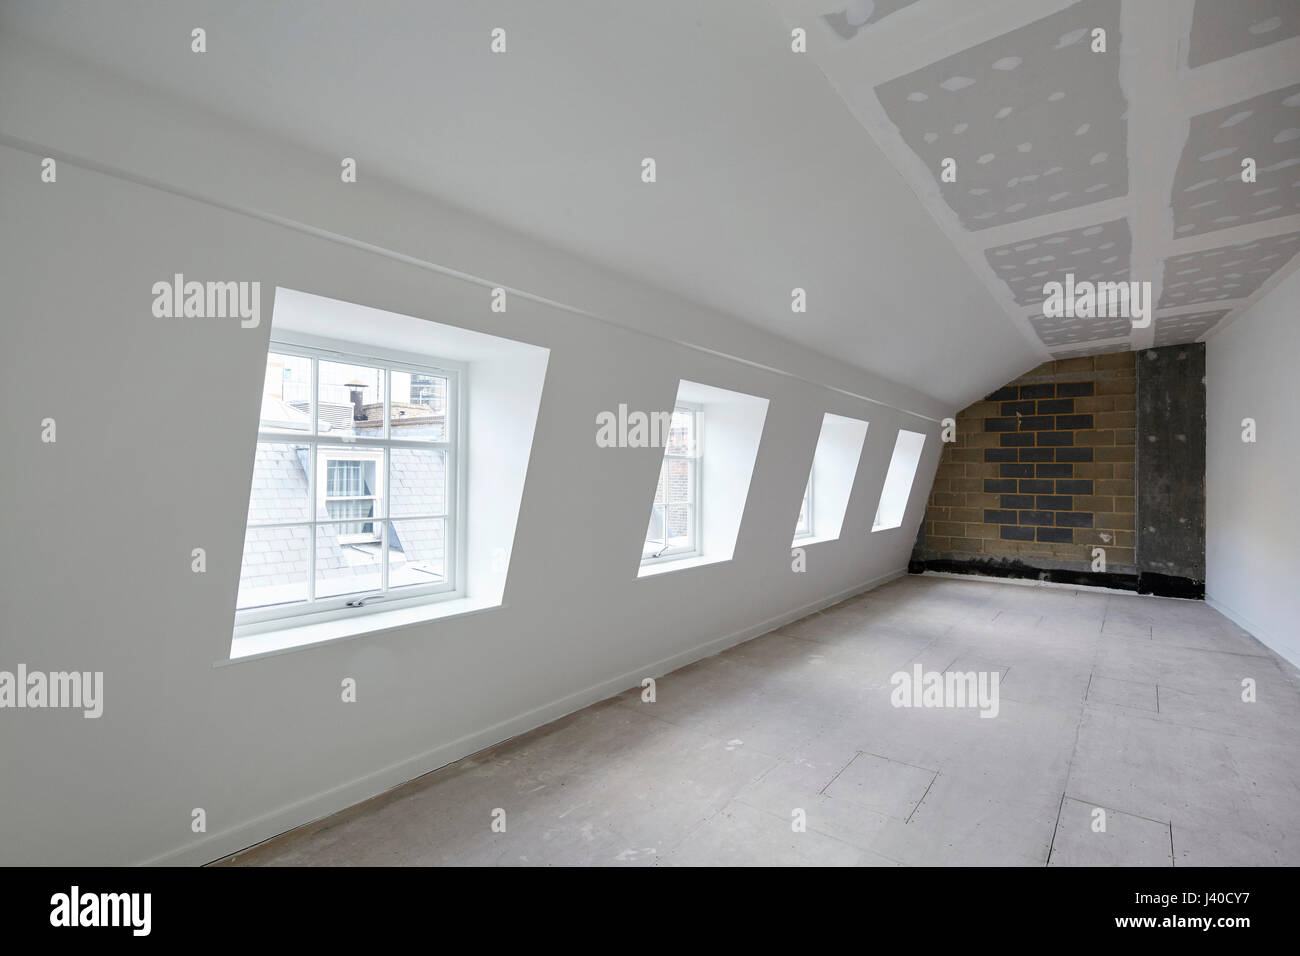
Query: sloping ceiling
x,y
1122,164
1114,164
765,182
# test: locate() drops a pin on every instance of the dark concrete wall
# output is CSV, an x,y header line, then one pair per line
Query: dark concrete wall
x,y
1171,466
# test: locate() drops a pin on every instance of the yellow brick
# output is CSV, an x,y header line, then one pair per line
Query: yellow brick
x,y
1113,453
1071,365
1094,503
1094,403
1115,420
1091,537
1071,551
1113,360
1114,386
1114,521
1116,556
1094,438
1094,469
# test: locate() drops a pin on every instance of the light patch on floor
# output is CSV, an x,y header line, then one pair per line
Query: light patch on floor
x,y
1114,701
1125,840
881,784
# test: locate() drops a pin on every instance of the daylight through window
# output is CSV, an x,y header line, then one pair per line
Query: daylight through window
x,y
354,485
675,514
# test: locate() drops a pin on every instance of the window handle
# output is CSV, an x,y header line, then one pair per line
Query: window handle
x,y
359,602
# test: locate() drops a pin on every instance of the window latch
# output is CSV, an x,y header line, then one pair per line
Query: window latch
x,y
359,602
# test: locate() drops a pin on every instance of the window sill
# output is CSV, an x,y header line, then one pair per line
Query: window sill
x,y
887,527
294,637
682,564
813,539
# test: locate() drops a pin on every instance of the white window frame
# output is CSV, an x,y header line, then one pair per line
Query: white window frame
x,y
316,610
695,549
807,510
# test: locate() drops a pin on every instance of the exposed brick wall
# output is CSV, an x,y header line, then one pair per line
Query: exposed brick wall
x,y
1042,471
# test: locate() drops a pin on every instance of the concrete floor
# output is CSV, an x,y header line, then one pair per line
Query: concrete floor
x,y
1108,700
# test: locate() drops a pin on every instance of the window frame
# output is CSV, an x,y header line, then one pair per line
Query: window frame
x,y
807,509
315,609
696,412
323,497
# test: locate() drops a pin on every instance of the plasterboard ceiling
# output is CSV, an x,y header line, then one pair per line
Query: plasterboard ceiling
x,y
1122,163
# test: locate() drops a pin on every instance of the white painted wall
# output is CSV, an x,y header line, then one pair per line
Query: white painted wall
x,y
835,467
156,429
1252,523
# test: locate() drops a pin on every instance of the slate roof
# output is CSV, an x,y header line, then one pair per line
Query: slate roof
x,y
275,564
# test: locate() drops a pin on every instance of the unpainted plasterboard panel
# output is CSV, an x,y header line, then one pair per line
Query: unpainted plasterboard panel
x,y
1223,28
1065,330
1038,124
1209,192
1228,272
1097,253
1035,119
1188,327
857,15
